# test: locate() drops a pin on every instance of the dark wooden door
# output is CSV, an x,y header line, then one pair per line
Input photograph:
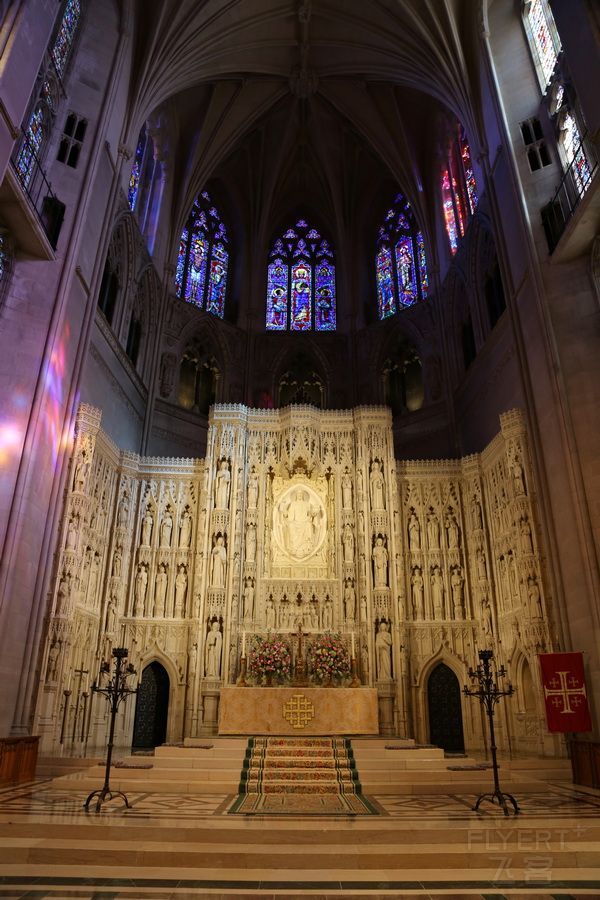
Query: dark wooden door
x,y
445,713
151,711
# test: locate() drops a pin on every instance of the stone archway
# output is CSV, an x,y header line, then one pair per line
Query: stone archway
x,y
445,711
152,708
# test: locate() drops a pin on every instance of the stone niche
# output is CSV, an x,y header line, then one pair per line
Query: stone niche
x,y
296,516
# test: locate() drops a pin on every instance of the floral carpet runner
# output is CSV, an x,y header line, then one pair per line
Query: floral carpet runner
x,y
300,776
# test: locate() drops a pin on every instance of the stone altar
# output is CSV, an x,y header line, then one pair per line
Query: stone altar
x,y
298,711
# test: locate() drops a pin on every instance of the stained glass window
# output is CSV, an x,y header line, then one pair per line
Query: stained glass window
x,y
63,42
469,174
203,258
459,188
301,281
31,147
575,153
136,169
543,38
400,262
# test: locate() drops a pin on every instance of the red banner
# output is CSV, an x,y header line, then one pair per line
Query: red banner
x,y
565,695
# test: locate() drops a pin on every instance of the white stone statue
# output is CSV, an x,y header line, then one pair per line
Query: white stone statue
x,y
417,593
300,521
383,652
363,609
414,532
63,593
94,576
166,529
111,616
141,586
526,542
180,591
518,479
160,591
327,615
476,514
270,615
222,483
253,489
185,529
535,601
117,561
348,541
456,585
380,564
250,542
147,524
249,600
452,530
377,486
314,615
72,534
437,593
433,531
123,511
81,472
349,601
219,563
52,666
486,617
346,490
481,566
214,645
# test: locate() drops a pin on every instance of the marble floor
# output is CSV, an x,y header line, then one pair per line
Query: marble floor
x,y
180,845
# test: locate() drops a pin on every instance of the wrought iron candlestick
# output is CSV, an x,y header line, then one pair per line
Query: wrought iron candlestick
x,y
489,693
115,691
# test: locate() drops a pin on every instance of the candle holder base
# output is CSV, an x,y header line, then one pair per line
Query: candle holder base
x,y
104,796
355,680
501,798
241,682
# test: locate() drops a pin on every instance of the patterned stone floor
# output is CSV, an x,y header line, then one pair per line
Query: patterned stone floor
x,y
562,814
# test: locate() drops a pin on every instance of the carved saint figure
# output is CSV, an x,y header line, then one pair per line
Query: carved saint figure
x,y
535,601
380,563
160,590
81,471
348,541
327,615
141,586
414,532
526,542
147,523
123,511
383,652
117,561
377,486
72,535
349,601
185,529
62,594
476,514
219,563
94,576
417,593
433,531
53,654
518,479
452,529
346,490
481,567
270,614
250,543
214,645
300,518
437,593
111,616
249,599
180,591
253,489
486,617
456,584
222,482
166,529
363,609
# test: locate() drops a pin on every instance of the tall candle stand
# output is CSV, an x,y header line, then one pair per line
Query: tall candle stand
x,y
115,692
489,692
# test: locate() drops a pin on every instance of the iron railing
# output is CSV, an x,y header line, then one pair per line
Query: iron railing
x,y
36,187
576,181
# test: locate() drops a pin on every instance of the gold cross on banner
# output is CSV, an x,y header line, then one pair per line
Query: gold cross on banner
x,y
298,711
560,690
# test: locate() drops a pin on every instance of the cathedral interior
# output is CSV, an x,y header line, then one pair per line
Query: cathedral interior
x,y
299,314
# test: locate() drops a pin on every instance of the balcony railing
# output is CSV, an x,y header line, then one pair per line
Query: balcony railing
x,y
38,190
576,181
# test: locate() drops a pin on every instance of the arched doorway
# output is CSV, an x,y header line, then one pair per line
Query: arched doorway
x,y
150,726
445,713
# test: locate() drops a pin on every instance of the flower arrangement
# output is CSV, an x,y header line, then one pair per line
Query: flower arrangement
x,y
328,658
270,657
